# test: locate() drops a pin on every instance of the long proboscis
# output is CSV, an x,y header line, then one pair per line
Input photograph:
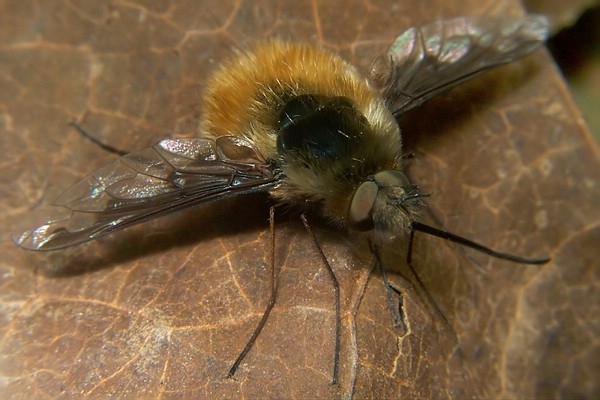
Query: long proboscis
x,y
417,226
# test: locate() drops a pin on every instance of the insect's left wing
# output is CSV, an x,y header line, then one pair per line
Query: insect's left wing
x,y
169,176
426,61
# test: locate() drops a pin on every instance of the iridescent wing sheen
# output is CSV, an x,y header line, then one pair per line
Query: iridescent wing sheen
x,y
169,176
426,61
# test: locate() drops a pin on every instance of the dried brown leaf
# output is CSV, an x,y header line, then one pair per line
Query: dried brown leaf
x,y
163,309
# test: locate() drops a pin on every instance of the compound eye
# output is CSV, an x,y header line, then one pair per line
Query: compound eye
x,y
363,200
391,178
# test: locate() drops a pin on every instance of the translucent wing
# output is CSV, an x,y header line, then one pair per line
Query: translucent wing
x,y
426,61
169,176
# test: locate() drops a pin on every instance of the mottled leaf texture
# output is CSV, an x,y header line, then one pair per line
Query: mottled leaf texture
x,y
163,309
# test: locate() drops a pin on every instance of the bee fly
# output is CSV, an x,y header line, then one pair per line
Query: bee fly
x,y
303,125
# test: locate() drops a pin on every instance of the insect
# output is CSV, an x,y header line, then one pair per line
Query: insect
x,y
302,124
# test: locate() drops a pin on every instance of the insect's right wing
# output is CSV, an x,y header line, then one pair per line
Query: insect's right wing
x,y
169,176
426,61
